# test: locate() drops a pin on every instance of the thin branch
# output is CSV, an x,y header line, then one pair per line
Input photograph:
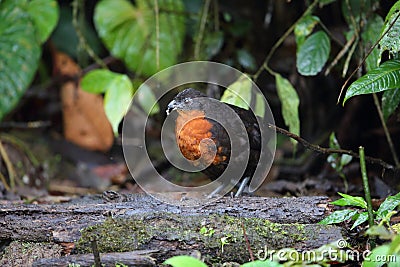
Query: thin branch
x,y
247,242
203,21
385,129
323,150
156,11
341,53
280,41
10,168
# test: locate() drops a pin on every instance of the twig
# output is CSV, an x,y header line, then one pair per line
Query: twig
x,y
341,53
323,150
156,12
367,192
96,254
385,129
365,58
280,41
81,37
203,21
25,125
247,242
4,181
10,168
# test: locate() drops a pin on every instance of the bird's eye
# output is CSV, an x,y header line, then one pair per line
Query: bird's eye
x,y
187,100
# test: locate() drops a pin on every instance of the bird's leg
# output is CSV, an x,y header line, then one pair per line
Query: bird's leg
x,y
216,191
242,186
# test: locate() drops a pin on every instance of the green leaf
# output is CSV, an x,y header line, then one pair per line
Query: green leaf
x,y
238,93
391,40
385,77
375,258
19,53
380,231
183,261
313,54
118,91
290,104
98,81
338,216
304,28
258,263
260,105
395,245
130,32
388,205
45,14
361,218
370,36
348,200
246,60
390,101
212,44
148,100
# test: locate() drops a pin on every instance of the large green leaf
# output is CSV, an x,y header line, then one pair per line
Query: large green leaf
x,y
45,15
313,54
130,32
391,40
19,53
290,104
118,91
385,77
390,101
370,36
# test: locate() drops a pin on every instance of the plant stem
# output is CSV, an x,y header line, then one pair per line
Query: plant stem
x,y
366,187
81,37
385,129
203,21
156,11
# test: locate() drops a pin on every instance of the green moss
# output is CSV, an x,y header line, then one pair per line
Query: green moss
x,y
114,235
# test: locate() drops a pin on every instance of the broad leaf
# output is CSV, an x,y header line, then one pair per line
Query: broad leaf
x,y
45,15
362,218
304,28
390,101
313,54
238,93
391,40
183,261
375,258
264,263
370,36
348,200
19,53
147,100
130,32
338,216
118,93
290,104
388,205
385,77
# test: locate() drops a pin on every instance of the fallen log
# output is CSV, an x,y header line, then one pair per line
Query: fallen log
x,y
222,231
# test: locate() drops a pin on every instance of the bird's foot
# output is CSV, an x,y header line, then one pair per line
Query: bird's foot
x,y
242,186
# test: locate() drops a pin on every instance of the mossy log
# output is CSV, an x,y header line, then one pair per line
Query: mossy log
x,y
226,230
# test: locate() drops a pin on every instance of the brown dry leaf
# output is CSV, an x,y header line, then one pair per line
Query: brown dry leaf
x,y
84,118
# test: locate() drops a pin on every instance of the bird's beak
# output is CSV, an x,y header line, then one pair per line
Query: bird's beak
x,y
171,106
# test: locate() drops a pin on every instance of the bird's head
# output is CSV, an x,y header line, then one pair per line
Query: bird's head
x,y
186,100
